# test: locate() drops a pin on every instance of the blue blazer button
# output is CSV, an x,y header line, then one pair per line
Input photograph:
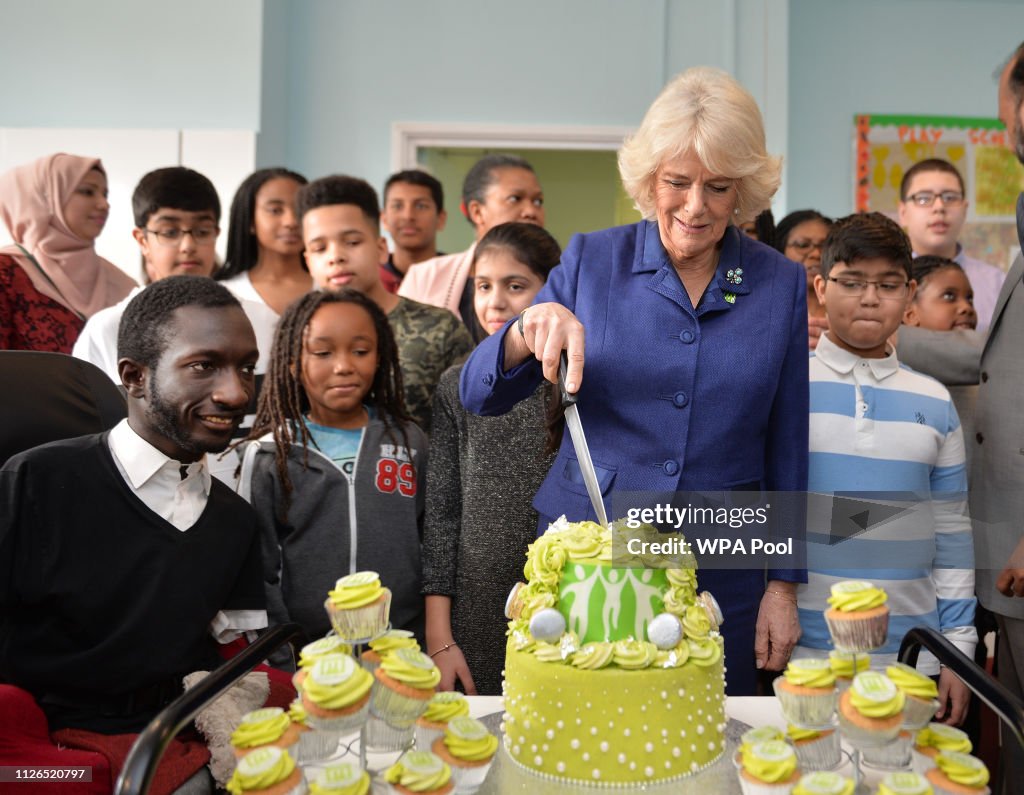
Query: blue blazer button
x,y
671,467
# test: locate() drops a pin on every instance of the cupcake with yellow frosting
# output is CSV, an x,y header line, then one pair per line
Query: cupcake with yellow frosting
x,y
858,618
891,756
871,711
903,782
336,695
311,652
442,708
267,771
419,773
389,641
359,606
312,745
342,778
823,783
403,686
768,768
807,691
845,665
958,774
264,727
467,748
921,691
816,749
937,738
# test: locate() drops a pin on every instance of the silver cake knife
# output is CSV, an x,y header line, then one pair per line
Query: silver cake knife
x,y
579,443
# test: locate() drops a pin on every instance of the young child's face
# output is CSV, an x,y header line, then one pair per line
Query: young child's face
x,y
944,301
862,323
339,361
934,229
343,248
502,288
192,254
274,221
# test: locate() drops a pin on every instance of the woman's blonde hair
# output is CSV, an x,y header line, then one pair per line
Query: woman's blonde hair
x,y
708,113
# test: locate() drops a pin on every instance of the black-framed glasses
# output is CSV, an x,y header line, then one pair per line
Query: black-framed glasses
x,y
202,235
926,198
889,290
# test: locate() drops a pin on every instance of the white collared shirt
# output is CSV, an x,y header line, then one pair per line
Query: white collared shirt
x,y
156,480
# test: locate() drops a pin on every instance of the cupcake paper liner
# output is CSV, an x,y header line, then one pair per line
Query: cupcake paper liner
x,y
804,709
345,724
866,738
858,635
937,789
360,623
315,745
425,737
918,713
748,787
382,736
892,756
821,753
399,710
468,780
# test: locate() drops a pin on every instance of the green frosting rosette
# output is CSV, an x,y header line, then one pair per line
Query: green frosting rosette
x,y
677,600
260,769
704,652
843,662
412,668
312,652
545,559
874,695
419,771
823,782
297,712
853,596
260,727
394,639
771,761
810,672
342,778
593,656
634,654
567,646
356,590
446,705
962,769
467,738
761,734
903,782
337,682
911,681
944,738
536,596
696,623
581,541
675,657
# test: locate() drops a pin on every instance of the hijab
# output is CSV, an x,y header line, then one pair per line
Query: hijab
x,y
67,267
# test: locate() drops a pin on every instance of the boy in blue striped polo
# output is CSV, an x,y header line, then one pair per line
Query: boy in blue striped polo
x,y
880,431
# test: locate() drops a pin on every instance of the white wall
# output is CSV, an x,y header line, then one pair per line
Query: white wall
x,y
933,57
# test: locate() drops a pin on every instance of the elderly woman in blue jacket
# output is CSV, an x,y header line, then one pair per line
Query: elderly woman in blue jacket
x,y
686,342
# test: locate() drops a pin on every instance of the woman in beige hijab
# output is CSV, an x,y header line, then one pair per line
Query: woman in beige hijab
x,y
52,280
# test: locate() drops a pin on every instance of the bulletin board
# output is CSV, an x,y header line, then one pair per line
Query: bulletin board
x,y
885,146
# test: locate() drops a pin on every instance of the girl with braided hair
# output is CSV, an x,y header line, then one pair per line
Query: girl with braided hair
x,y
334,466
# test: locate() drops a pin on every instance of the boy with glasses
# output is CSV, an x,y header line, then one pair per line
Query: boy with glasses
x,y
879,431
932,210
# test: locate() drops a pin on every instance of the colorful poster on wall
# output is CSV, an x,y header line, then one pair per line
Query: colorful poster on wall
x,y
886,146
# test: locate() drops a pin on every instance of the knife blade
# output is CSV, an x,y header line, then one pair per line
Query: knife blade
x,y
579,443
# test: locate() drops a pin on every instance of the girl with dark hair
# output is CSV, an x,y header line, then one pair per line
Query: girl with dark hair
x,y
801,237
482,477
334,466
264,256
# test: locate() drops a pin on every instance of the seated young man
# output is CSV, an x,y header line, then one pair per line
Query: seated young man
x,y
123,564
344,248
879,428
413,213
932,210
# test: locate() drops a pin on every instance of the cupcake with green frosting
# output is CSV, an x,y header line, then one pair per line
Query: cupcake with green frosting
x,y
359,606
768,768
958,774
468,749
311,652
894,755
442,708
267,771
921,691
807,692
336,695
823,783
937,738
903,782
751,737
389,641
342,778
871,711
263,727
402,688
312,745
419,773
858,618
816,749
845,665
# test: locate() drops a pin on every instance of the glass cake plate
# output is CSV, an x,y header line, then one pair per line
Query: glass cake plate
x,y
506,776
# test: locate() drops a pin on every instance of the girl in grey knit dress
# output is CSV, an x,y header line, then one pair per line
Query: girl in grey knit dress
x,y
481,478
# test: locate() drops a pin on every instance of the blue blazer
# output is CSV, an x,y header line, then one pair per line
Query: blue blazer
x,y
673,398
